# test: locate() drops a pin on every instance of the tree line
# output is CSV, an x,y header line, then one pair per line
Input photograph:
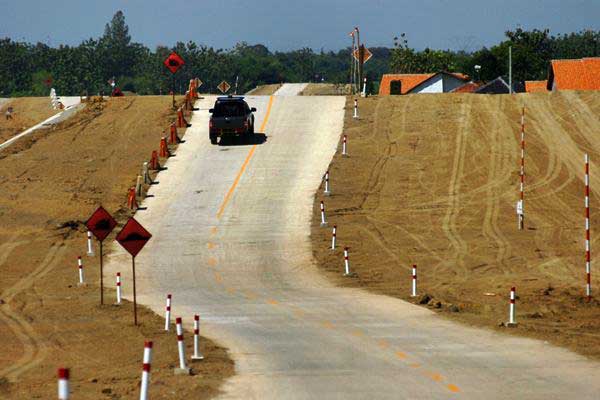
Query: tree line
x,y
31,69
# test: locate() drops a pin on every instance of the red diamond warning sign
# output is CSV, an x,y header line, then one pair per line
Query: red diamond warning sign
x,y
224,87
173,62
133,237
367,54
101,223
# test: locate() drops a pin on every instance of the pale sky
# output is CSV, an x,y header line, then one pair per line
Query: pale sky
x,y
285,25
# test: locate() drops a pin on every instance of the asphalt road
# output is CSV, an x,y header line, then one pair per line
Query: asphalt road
x,y
231,226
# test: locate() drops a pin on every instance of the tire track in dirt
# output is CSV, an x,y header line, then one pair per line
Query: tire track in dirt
x,y
449,221
34,349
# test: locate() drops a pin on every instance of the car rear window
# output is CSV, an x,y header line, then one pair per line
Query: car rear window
x,y
229,109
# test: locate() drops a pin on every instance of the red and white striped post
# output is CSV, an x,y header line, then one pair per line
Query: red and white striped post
x,y
520,204
168,313
326,191
90,249
80,267
323,221
197,355
346,262
181,346
333,237
118,288
355,108
146,370
414,281
511,311
63,383
344,145
588,272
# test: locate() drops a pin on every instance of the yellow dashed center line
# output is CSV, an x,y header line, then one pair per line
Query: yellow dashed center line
x,y
211,245
273,302
401,355
212,261
453,388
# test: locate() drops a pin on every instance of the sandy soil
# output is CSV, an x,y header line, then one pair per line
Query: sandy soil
x,y
325,89
433,180
264,90
28,111
51,182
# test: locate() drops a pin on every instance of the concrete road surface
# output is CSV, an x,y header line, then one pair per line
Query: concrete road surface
x,y
290,89
231,226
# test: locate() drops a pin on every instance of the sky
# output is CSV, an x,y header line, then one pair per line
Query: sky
x,y
287,25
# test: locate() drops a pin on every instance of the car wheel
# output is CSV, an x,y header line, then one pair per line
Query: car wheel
x,y
213,139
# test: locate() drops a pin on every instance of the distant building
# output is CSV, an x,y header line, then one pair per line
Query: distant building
x,y
499,86
579,74
536,86
469,87
440,82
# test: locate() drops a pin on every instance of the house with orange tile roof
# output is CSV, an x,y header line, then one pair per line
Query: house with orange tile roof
x,y
536,86
440,82
578,74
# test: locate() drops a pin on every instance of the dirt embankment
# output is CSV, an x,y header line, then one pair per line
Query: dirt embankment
x,y
51,182
432,180
326,89
28,111
264,90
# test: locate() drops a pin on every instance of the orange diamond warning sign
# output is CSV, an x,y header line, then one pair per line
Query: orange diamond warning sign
x,y
367,54
224,87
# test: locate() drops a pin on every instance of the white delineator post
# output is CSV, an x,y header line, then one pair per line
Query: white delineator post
x,y
197,355
520,204
168,313
344,149
346,262
511,313
355,108
90,250
63,384
333,237
588,269
323,222
118,288
326,191
180,344
80,267
364,89
146,370
414,281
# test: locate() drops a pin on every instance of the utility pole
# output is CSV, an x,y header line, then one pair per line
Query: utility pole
x,y
510,90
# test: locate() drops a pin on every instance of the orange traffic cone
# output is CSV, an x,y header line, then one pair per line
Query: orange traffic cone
x,y
164,150
181,122
131,200
154,164
173,139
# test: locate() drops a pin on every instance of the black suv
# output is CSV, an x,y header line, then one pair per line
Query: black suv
x,y
230,116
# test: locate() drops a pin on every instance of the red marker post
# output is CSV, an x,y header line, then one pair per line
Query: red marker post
x,y
101,224
133,237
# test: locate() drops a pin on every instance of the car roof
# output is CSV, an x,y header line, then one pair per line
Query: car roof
x,y
230,98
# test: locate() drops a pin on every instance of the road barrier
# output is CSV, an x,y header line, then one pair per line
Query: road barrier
x,y
168,313
588,267
511,311
414,281
146,364
80,267
63,384
90,249
181,122
118,288
346,262
197,355
164,149
333,237
344,146
326,191
355,109
181,347
323,222
131,199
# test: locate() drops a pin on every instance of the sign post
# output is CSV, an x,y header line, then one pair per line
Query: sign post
x,y
101,224
133,237
173,63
